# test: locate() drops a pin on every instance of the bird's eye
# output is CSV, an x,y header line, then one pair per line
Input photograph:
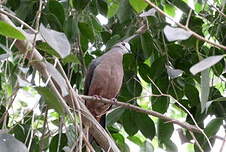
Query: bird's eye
x,y
124,44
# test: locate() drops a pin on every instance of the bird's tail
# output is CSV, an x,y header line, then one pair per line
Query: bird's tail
x,y
103,121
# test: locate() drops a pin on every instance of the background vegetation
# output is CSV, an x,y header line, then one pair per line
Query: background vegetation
x,y
161,73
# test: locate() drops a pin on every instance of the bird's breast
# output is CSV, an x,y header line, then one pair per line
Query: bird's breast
x,y
107,81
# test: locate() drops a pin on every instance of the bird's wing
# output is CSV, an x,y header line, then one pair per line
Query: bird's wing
x,y
89,75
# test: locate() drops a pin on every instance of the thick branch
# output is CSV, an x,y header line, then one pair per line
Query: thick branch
x,y
149,112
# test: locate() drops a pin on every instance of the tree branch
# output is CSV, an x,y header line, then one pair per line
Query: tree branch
x,y
185,28
138,109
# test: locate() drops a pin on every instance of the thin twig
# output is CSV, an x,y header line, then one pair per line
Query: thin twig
x,y
196,141
189,17
32,132
223,144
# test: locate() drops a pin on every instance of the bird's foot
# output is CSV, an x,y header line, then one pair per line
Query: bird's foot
x,y
114,100
97,97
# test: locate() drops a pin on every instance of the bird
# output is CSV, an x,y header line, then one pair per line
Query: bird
x,y
104,79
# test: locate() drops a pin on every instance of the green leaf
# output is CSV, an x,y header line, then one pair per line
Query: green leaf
x,y
124,95
72,58
192,94
10,31
106,36
136,140
55,145
113,8
57,40
198,7
205,89
50,99
114,116
138,5
170,146
96,24
165,130
144,71
136,49
84,42
53,22
213,126
158,64
80,4
19,132
128,122
182,5
71,28
161,83
145,124
35,144
46,48
134,87
147,44
86,30
25,9
124,8
206,63
57,9
113,40
160,104
102,7
14,4
127,64
120,141
147,147
170,10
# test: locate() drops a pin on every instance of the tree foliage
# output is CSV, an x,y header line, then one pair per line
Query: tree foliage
x,y
169,70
